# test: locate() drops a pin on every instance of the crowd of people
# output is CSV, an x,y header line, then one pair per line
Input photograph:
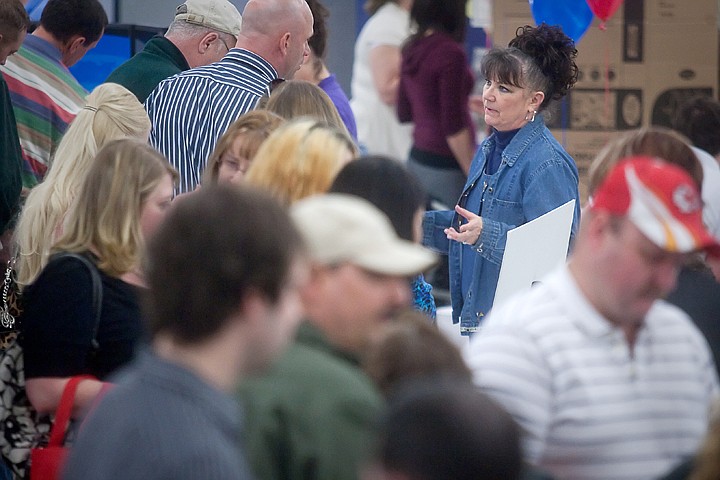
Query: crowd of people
x,y
230,257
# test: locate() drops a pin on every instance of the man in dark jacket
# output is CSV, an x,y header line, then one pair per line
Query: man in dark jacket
x,y
202,32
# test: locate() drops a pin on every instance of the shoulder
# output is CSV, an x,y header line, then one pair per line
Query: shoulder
x,y
672,324
389,26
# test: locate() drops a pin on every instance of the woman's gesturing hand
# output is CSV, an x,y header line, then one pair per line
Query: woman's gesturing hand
x,y
469,232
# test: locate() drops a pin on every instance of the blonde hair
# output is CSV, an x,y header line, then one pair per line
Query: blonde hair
x,y
299,159
254,127
105,217
111,112
298,98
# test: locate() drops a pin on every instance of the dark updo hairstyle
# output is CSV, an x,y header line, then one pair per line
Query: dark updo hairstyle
x,y
540,58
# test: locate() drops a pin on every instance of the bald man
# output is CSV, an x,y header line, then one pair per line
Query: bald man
x,y
191,110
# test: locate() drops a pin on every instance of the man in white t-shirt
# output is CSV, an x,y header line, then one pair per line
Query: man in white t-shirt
x,y
607,380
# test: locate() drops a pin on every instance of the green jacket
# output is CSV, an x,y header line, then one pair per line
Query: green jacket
x,y
10,159
159,60
312,416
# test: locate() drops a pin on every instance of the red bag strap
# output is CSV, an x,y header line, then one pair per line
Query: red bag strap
x,y
64,410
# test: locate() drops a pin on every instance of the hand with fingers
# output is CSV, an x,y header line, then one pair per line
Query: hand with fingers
x,y
469,232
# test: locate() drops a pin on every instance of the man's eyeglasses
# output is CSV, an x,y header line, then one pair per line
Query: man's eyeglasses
x,y
224,43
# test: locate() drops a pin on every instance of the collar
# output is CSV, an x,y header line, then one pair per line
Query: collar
x,y
581,312
522,139
161,45
221,406
246,56
311,336
43,47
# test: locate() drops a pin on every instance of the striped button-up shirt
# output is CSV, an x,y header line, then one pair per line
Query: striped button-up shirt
x,y
592,409
191,110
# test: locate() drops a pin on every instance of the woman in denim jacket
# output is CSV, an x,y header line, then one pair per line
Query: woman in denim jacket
x,y
519,173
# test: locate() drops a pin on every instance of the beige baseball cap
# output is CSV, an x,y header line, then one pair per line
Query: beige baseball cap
x,y
340,228
219,15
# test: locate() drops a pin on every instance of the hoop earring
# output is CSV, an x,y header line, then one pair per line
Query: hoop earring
x,y
532,119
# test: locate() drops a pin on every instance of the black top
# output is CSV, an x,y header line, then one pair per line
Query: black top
x,y
59,318
698,294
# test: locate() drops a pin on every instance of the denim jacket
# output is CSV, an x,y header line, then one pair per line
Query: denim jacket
x,y
535,176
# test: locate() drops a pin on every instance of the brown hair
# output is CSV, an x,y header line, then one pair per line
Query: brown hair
x,y
649,141
214,248
372,6
411,348
255,127
13,20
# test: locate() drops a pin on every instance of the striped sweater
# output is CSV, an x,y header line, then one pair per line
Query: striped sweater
x,y
45,97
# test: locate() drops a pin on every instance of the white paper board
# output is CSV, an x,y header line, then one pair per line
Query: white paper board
x,y
534,249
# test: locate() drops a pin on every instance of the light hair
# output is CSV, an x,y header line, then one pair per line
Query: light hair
x,y
253,127
298,98
299,159
659,142
105,218
112,112
185,30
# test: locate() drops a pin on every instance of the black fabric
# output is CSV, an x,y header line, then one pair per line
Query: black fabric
x,y
698,294
10,159
59,318
434,160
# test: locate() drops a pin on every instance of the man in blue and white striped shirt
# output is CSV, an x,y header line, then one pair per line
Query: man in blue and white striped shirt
x,y
191,110
608,380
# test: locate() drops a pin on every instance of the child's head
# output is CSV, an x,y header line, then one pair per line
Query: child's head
x,y
238,145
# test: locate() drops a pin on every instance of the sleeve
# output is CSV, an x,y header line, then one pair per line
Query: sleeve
x,y
454,81
10,159
550,185
386,30
58,319
434,224
507,365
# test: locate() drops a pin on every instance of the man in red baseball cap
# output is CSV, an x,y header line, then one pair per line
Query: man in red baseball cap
x,y
607,379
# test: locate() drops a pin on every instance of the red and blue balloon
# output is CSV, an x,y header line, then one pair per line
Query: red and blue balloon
x,y
574,16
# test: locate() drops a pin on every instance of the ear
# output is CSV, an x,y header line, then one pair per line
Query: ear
x,y
254,307
75,43
284,43
536,100
206,41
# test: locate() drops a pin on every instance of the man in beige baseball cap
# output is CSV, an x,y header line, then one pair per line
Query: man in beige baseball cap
x,y
202,32
317,403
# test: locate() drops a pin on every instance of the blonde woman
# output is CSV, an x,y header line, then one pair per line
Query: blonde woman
x,y
300,159
237,147
124,196
111,112
298,98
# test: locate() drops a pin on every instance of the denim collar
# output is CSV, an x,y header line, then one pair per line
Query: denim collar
x,y
522,140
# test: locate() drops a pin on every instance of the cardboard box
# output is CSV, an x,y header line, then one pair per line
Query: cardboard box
x,y
652,56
